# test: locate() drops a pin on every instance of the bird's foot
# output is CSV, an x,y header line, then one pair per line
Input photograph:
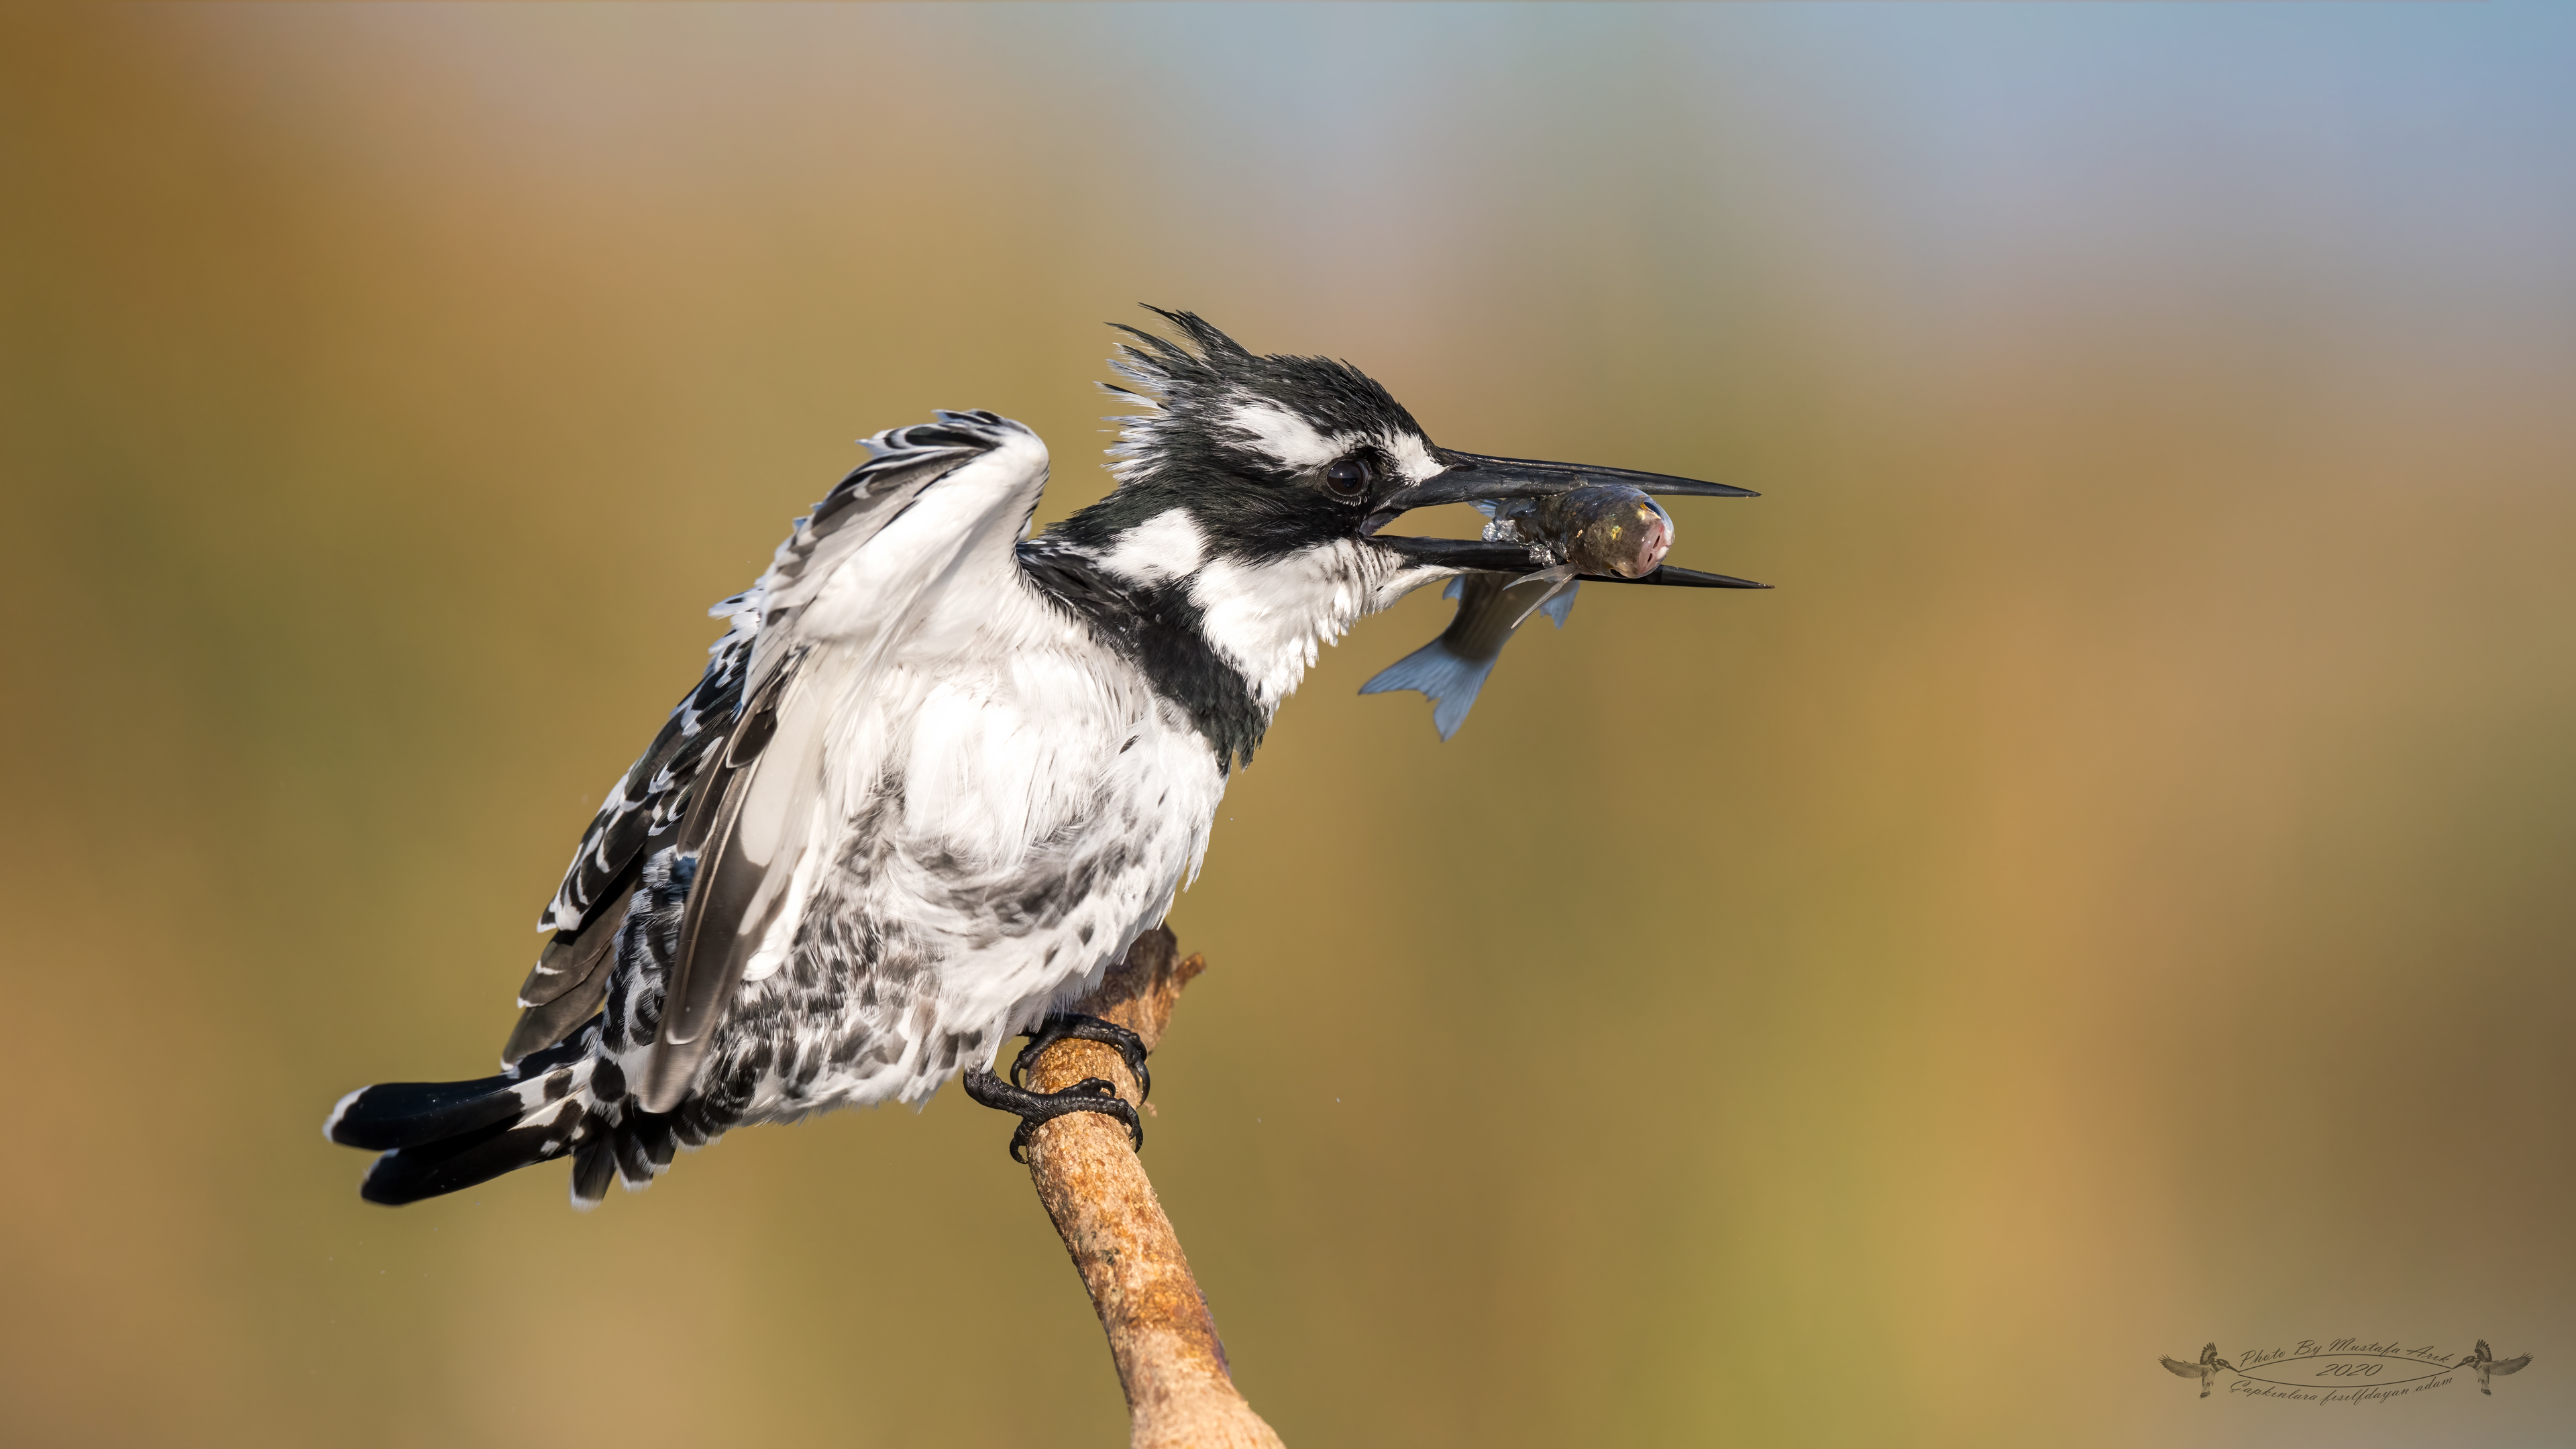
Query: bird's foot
x,y
1066,1025
1091,1094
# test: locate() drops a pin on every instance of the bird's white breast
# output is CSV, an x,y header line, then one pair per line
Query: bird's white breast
x,y
1009,798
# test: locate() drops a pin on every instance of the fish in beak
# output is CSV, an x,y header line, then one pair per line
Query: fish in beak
x,y
1478,479
1547,524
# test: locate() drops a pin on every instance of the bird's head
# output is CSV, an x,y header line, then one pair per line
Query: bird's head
x,y
1255,487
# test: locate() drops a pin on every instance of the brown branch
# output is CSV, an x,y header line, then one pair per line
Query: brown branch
x,y
1173,1369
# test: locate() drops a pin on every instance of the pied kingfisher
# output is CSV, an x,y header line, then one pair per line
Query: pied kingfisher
x,y
940,774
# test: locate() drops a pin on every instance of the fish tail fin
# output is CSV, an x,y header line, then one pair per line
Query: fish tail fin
x,y
1450,680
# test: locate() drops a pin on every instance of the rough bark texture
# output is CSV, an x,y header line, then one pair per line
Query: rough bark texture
x,y
1179,1391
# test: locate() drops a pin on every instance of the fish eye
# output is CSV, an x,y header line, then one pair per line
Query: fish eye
x,y
1351,477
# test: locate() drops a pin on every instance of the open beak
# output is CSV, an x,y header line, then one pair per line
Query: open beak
x,y
1475,478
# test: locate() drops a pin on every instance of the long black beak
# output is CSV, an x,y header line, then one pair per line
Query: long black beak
x,y
1511,558
1475,478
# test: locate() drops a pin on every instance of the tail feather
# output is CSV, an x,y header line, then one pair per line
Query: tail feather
x,y
635,1148
441,1137
408,1174
393,1115
594,1167
1450,679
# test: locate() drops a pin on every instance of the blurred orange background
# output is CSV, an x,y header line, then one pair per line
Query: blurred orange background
x,y
2113,895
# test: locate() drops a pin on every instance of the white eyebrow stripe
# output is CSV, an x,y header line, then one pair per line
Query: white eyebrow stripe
x,y
1271,429
1411,453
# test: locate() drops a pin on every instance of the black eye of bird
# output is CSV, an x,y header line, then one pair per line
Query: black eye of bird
x,y
1352,476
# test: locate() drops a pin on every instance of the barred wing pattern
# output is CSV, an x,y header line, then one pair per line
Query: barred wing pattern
x,y
571,975
655,791
652,803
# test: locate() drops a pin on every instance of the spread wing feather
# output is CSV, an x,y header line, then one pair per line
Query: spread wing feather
x,y
713,739
2187,1370
825,613
737,892
568,983
652,794
2512,1365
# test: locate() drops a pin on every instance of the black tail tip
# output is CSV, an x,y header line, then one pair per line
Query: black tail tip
x,y
409,1174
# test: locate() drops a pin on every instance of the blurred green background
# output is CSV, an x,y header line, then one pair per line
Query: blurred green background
x,y
2114,894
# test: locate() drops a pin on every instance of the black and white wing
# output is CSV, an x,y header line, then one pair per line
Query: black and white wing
x,y
2512,1365
940,506
2175,1365
571,974
730,779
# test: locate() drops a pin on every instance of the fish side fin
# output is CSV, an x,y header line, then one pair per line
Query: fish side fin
x,y
1450,681
1560,607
